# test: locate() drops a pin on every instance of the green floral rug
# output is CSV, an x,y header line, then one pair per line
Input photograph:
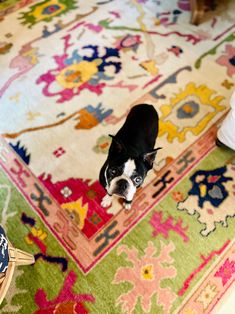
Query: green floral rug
x,y
154,269
70,73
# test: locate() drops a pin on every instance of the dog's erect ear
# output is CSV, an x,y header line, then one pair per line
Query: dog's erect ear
x,y
150,157
117,146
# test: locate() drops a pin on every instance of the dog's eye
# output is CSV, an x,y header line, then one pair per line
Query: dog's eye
x,y
137,180
113,171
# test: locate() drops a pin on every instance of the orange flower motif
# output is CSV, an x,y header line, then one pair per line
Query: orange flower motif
x,y
177,196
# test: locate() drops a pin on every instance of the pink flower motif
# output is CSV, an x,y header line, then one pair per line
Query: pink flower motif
x,y
226,271
146,276
228,60
93,27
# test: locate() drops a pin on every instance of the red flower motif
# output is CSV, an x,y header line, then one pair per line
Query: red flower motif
x,y
59,152
65,302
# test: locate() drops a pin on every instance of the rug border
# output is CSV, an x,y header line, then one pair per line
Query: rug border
x,y
225,292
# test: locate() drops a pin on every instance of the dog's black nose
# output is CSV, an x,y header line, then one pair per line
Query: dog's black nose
x,y
122,185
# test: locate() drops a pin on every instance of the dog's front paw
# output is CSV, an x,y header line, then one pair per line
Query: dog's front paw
x,y
106,201
127,205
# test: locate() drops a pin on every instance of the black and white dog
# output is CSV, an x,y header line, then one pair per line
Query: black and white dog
x,y
131,155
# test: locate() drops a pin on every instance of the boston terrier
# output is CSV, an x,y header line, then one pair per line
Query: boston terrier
x,y
131,155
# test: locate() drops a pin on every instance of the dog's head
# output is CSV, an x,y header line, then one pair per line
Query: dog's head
x,y
124,172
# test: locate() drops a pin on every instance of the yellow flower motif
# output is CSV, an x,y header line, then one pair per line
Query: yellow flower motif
x,y
37,13
147,272
150,66
77,74
38,233
203,190
77,211
191,110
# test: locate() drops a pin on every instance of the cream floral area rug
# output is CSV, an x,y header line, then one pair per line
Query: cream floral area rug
x,y
70,72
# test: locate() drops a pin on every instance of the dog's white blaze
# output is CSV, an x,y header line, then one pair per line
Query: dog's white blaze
x,y
129,167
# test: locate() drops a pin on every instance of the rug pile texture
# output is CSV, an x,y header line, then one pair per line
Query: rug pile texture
x,y
70,72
